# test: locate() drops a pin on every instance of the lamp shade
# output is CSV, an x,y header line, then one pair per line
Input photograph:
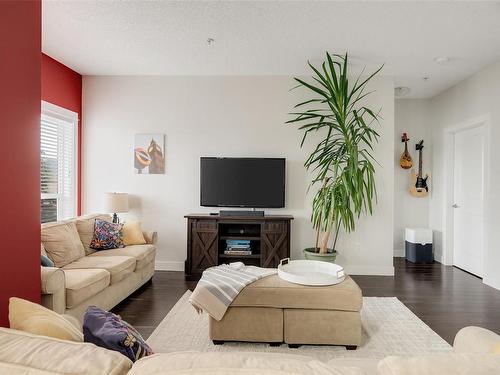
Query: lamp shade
x,y
116,202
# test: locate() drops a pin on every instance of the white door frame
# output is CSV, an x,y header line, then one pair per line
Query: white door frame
x,y
449,161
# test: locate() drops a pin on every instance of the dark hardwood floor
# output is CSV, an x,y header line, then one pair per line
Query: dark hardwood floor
x,y
444,297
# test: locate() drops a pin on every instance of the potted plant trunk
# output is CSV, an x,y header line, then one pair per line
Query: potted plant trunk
x,y
341,161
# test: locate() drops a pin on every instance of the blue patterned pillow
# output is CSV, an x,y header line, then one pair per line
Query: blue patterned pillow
x,y
106,235
109,331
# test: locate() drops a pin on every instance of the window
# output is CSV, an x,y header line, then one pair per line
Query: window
x,y
58,168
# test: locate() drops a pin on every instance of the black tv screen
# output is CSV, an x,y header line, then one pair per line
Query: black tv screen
x,y
242,182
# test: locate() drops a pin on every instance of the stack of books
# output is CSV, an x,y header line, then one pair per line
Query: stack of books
x,y
238,247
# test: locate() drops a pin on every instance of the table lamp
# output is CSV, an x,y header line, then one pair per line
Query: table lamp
x,y
116,203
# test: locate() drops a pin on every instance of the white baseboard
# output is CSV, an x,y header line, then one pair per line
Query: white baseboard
x,y
399,253
370,270
161,265
490,282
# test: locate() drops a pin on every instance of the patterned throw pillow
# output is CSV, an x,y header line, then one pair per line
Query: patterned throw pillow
x,y
106,235
109,331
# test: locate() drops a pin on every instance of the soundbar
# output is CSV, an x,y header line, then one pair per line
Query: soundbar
x,y
241,213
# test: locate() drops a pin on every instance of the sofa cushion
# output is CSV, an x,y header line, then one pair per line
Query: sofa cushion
x,y
235,363
441,364
118,266
272,291
84,283
475,340
144,254
45,355
61,242
33,318
85,227
73,320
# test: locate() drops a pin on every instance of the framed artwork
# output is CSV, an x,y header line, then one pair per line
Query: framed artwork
x,y
149,154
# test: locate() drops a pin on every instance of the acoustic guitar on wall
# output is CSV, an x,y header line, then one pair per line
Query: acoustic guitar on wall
x,y
405,161
419,188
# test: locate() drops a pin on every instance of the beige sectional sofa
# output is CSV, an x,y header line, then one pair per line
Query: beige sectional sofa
x,y
83,276
26,354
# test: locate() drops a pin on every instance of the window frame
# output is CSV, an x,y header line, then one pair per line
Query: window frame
x,y
55,111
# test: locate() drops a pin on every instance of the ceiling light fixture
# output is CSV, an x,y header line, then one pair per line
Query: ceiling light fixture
x,y
401,91
441,60
210,41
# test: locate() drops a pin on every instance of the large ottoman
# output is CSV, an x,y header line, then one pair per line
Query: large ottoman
x,y
273,310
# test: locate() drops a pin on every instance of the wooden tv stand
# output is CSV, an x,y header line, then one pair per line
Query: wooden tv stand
x,y
269,237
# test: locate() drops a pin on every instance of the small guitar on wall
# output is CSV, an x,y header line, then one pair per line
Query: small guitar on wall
x,y
419,186
405,161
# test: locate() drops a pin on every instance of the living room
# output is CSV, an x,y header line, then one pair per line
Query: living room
x,y
183,118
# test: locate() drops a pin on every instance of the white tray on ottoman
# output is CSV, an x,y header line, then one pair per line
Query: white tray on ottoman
x,y
310,272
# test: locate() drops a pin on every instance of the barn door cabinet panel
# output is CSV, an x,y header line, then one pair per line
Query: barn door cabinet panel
x,y
269,237
275,242
202,245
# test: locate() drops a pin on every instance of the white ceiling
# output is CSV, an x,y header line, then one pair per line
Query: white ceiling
x,y
274,37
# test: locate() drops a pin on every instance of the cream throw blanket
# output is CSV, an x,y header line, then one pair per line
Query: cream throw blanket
x,y
220,285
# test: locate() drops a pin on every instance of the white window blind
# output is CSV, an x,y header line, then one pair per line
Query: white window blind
x,y
58,169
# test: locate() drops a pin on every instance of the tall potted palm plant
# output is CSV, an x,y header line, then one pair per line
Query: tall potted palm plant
x,y
341,162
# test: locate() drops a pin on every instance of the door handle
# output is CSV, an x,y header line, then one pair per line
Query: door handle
x,y
455,205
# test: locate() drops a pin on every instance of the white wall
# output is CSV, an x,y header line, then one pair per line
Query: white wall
x,y
412,116
477,96
218,116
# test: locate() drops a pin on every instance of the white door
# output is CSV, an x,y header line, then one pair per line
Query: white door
x,y
468,200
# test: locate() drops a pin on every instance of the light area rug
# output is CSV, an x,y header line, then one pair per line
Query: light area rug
x,y
389,328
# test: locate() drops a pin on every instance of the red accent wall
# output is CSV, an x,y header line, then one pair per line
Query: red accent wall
x,y
20,93
63,87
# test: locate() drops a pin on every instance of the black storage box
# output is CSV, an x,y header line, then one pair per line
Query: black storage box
x,y
418,245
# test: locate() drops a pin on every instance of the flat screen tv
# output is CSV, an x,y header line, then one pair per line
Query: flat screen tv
x,y
242,182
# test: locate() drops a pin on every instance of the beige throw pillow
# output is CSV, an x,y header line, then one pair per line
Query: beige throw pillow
x,y
62,243
132,234
33,318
